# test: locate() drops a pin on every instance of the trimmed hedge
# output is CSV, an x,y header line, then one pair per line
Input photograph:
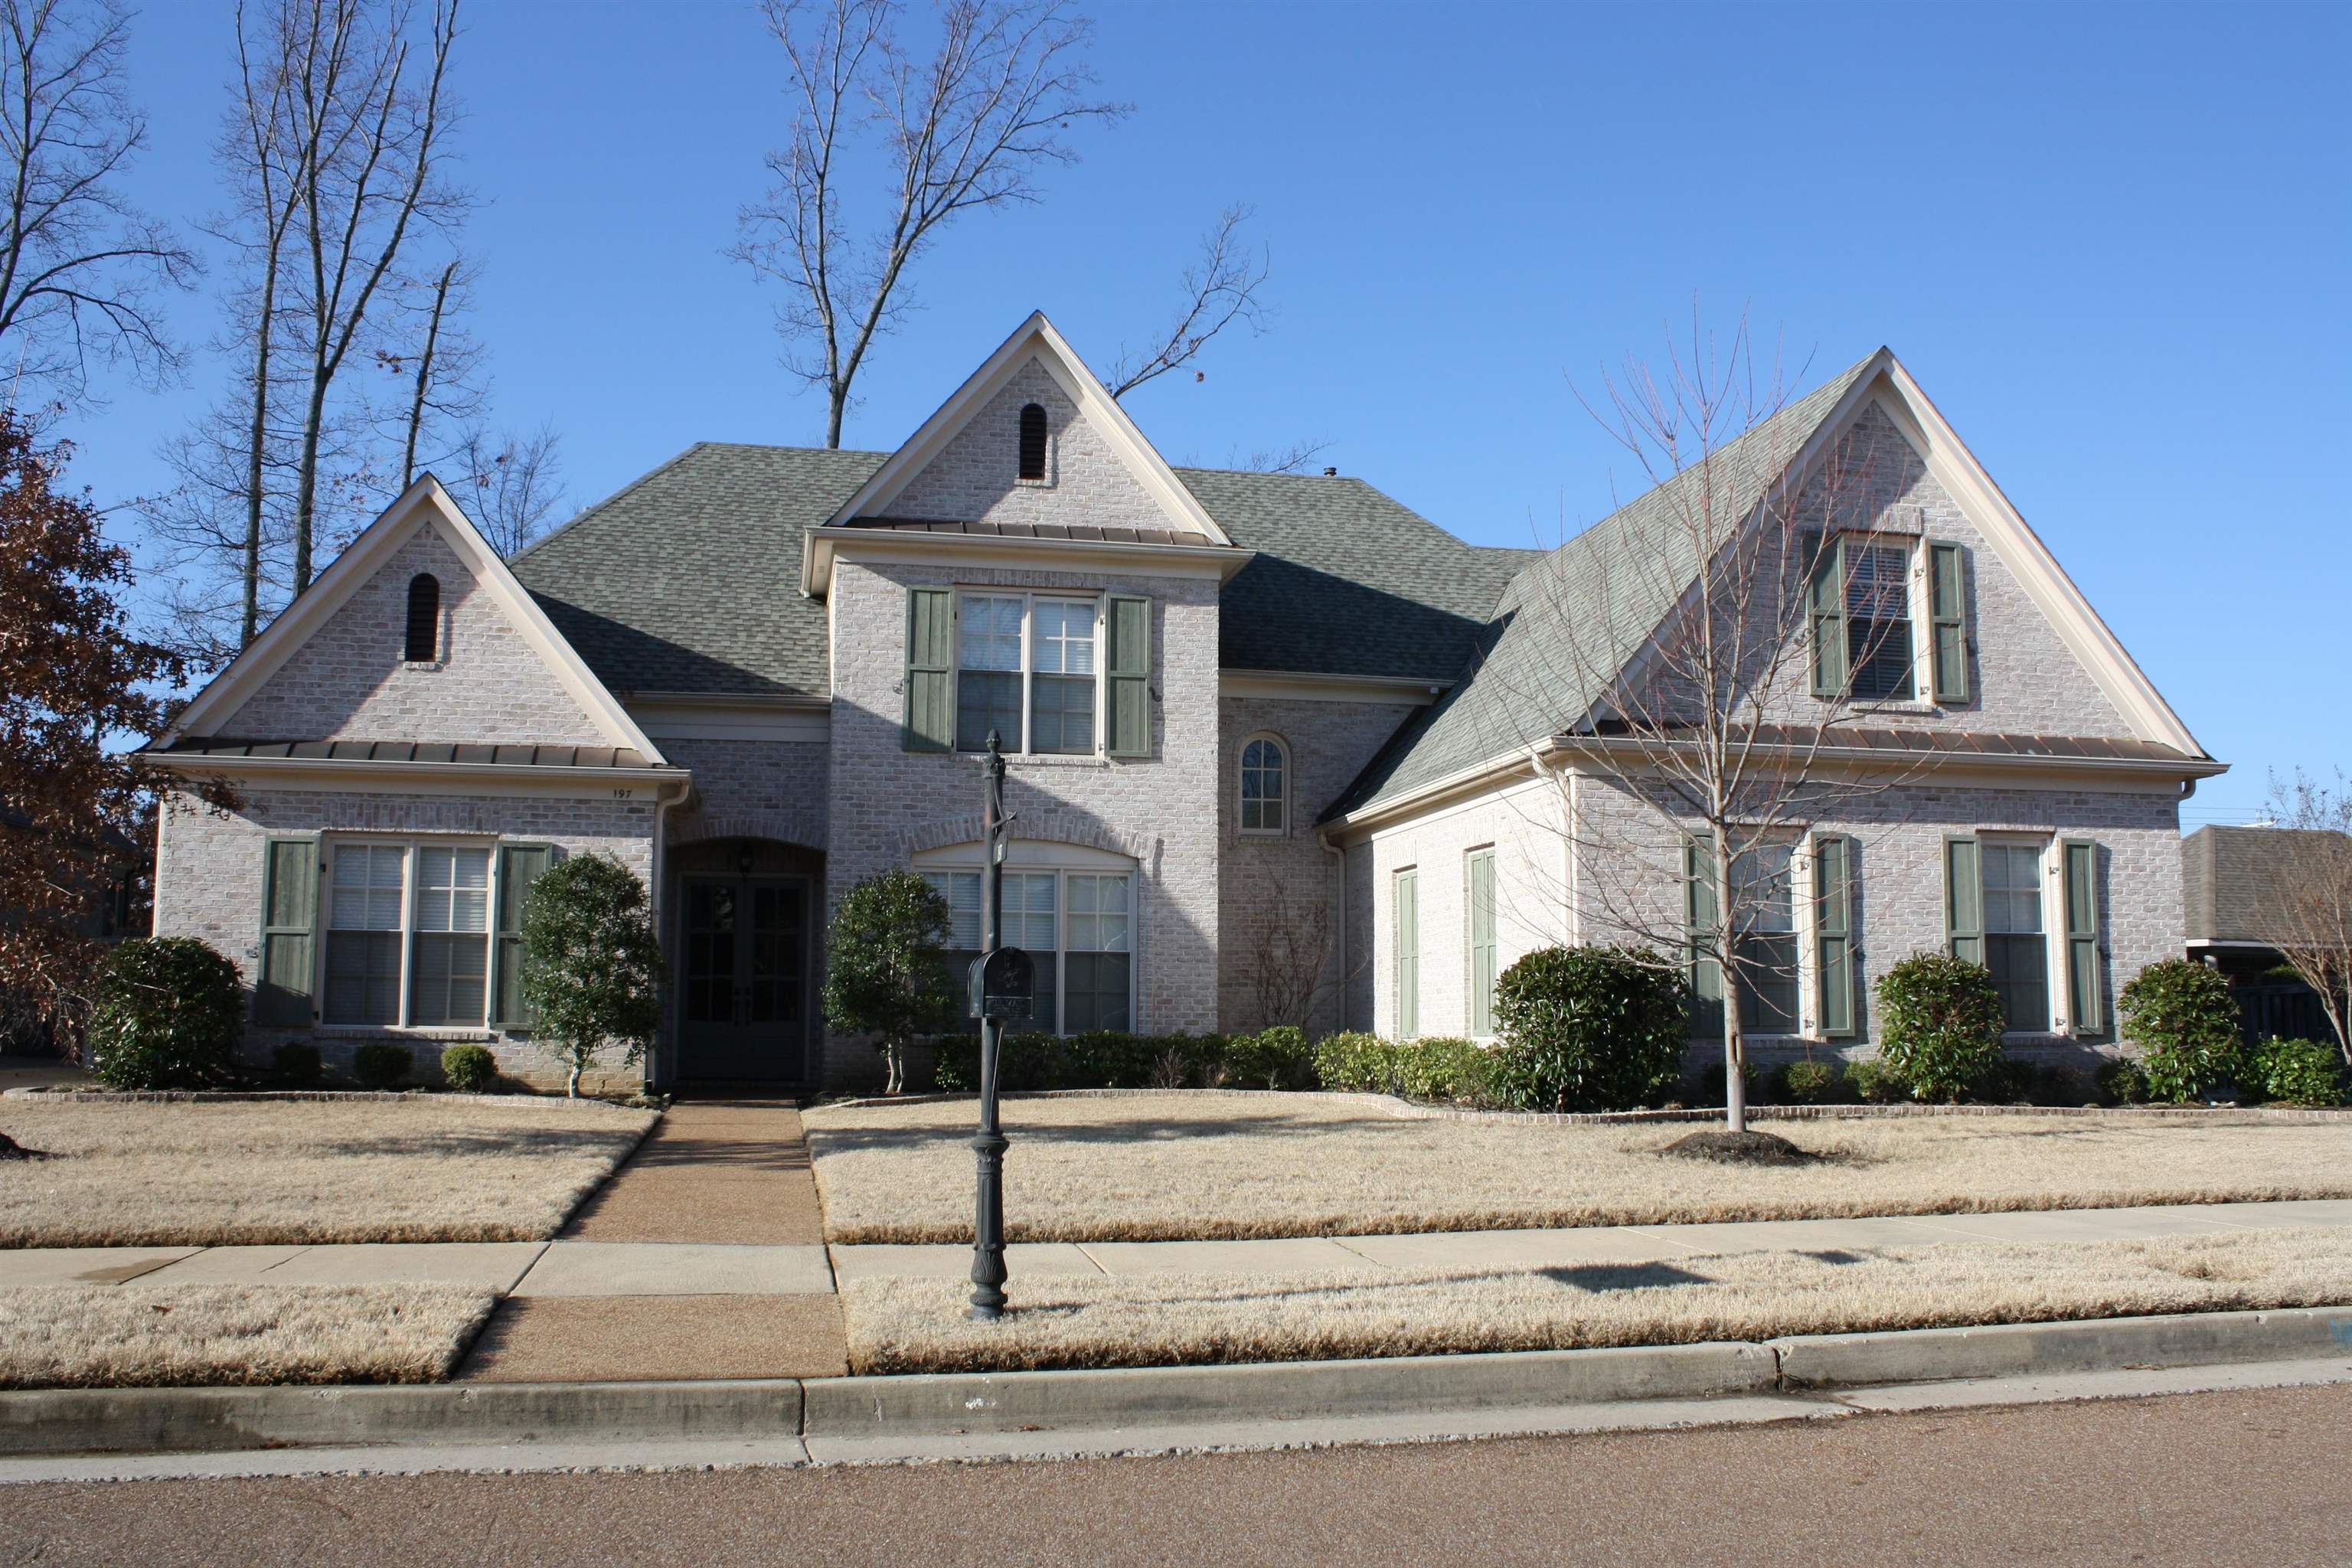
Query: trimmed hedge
x,y
2300,1072
169,1014
382,1066
1032,1059
2185,1024
1942,1024
1589,1029
469,1069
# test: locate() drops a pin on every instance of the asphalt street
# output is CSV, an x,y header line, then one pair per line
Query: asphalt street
x,y
2214,1478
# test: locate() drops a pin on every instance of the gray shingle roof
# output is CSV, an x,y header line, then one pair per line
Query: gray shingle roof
x,y
1521,686
2228,878
689,580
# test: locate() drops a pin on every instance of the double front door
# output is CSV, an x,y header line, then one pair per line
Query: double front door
x,y
744,1009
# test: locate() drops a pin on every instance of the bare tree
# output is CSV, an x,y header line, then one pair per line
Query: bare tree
x,y
1295,459
79,264
366,134
1668,656
440,371
1219,290
2309,913
970,127
509,485
1287,959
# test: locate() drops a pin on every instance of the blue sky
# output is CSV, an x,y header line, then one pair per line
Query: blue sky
x,y
2111,242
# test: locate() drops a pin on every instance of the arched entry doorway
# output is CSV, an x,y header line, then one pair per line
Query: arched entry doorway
x,y
745,933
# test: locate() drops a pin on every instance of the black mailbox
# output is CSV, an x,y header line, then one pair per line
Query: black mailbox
x,y
1005,985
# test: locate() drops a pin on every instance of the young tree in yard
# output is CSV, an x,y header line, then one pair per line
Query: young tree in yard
x,y
886,973
79,264
2309,912
1678,673
591,966
74,684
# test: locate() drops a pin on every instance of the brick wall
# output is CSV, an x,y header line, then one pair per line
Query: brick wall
x,y
887,803
977,477
209,883
350,681
1280,902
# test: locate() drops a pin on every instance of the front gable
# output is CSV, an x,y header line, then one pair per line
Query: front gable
x,y
333,666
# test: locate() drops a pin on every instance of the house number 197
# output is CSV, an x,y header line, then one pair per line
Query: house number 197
x,y
624,795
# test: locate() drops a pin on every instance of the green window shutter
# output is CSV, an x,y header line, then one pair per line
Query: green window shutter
x,y
283,994
930,671
518,866
1698,911
1964,899
1833,933
1128,667
2086,990
1826,600
1408,954
1482,943
1948,608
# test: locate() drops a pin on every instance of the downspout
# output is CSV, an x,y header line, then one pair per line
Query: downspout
x,y
662,804
1341,855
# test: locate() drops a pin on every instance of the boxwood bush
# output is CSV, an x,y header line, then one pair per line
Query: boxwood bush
x,y
169,1012
1808,1083
2300,1072
1589,1029
1353,1063
296,1065
2185,1024
469,1069
382,1066
1873,1082
2121,1081
1941,1024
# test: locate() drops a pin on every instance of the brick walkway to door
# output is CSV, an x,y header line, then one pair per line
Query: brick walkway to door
x,y
716,1172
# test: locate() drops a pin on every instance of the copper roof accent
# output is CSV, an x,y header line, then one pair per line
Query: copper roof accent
x,y
1071,533
414,751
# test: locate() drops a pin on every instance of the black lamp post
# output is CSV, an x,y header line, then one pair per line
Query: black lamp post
x,y
989,1145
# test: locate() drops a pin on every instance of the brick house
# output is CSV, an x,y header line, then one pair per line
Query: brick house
x,y
1268,758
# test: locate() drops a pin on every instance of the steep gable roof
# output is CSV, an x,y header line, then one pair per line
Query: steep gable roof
x,y
423,506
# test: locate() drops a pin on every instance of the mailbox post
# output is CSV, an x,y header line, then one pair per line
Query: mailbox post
x,y
1002,986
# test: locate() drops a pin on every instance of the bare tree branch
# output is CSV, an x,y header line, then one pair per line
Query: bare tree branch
x,y
509,485
1219,289
970,127
2308,916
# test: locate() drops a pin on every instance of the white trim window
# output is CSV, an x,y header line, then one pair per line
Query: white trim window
x,y
1878,618
1029,667
1076,923
407,934
1766,938
1265,786
2016,938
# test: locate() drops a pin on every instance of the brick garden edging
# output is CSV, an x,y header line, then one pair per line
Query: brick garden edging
x,y
232,1095
1409,1110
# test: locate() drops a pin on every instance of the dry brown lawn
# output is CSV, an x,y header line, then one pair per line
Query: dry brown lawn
x,y
443,1168
121,1336
1173,1166
902,1325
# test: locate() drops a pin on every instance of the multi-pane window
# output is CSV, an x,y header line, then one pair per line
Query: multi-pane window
x,y
2016,949
1026,668
1765,939
1062,682
988,671
1265,786
1878,619
365,892
450,976
1084,963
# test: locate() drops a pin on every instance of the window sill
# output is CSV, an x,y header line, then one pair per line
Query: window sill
x,y
423,664
1032,484
1263,832
454,1034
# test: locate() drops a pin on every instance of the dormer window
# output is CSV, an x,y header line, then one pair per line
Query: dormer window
x,y
424,618
1032,443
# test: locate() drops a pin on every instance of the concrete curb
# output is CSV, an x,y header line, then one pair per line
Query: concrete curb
x,y
866,1410
947,1403
2091,1344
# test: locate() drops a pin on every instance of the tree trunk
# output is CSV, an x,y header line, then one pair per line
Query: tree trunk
x,y
249,619
425,376
893,1062
571,1082
1735,1044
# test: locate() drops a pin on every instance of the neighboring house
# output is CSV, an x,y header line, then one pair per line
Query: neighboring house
x,y
1260,726
2229,895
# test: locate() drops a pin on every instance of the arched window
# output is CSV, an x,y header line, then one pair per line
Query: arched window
x,y
1033,441
1265,786
424,618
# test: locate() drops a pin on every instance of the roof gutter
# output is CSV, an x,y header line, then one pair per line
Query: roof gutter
x,y
193,764
819,546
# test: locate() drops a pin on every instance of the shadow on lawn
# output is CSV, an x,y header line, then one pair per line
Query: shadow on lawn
x,y
853,1139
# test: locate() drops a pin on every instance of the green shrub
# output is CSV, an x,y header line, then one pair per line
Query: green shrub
x,y
1272,1058
591,966
1706,1087
382,1066
1588,1028
296,1065
1808,1083
169,1014
1030,1059
886,973
469,1069
1443,1068
2061,1085
1873,1082
2301,1072
2008,1081
2121,1081
1941,1022
2185,1021
1352,1063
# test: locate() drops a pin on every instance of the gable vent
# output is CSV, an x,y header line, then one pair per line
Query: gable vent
x,y
1033,441
424,618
